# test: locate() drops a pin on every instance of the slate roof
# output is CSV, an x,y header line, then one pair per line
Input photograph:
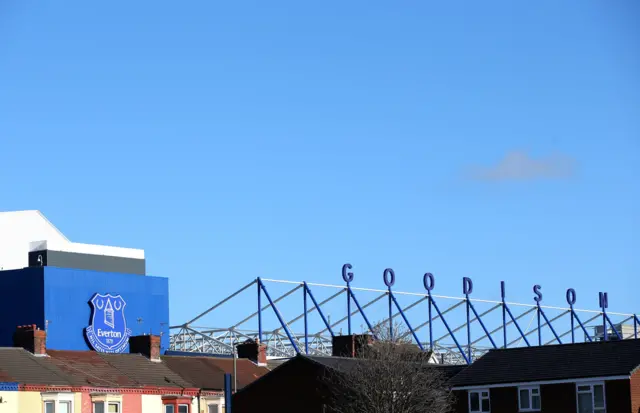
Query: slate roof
x,y
145,372
88,368
208,372
345,364
554,362
19,365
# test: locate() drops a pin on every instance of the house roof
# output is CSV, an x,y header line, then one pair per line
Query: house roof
x,y
20,366
554,362
88,368
208,372
146,372
345,364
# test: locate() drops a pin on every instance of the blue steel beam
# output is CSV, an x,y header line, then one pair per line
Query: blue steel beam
x,y
536,329
218,304
574,328
444,321
313,308
378,298
277,300
516,324
259,310
405,309
482,324
508,323
550,326
315,303
615,330
415,336
306,327
275,310
426,323
581,325
460,327
355,300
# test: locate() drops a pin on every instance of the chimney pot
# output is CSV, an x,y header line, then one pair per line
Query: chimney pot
x,y
147,345
350,345
253,351
31,339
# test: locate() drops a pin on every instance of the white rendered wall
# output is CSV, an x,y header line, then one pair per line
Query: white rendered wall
x,y
17,230
151,403
25,231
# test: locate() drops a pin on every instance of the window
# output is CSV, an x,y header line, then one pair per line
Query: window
x,y
112,407
479,401
212,408
183,408
64,407
591,398
169,408
529,399
57,402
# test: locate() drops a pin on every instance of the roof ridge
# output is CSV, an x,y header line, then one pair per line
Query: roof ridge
x,y
83,371
582,343
120,371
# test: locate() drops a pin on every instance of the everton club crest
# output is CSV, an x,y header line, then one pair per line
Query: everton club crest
x,y
108,332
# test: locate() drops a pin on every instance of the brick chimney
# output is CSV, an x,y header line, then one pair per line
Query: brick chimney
x,y
31,339
253,351
350,346
147,345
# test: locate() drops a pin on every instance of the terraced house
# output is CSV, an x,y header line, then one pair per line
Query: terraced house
x,y
65,381
599,377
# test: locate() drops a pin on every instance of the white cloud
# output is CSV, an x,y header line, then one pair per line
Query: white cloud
x,y
520,166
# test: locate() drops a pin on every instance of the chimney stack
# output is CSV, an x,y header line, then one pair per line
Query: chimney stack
x,y
350,346
253,351
147,345
31,339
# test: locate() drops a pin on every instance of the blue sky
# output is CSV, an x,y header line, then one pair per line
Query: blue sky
x,y
498,140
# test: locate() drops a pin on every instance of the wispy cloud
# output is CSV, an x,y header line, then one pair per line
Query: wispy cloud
x,y
520,166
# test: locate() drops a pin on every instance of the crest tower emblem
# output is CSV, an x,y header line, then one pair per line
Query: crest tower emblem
x,y
108,332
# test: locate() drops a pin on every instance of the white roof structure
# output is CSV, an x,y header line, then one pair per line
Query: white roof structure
x,y
24,231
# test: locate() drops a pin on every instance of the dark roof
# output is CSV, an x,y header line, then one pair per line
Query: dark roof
x,y
88,368
554,362
20,366
208,372
345,364
146,372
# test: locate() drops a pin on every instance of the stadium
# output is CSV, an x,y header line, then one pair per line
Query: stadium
x,y
83,311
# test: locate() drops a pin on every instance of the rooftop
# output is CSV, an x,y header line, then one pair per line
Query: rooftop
x,y
548,363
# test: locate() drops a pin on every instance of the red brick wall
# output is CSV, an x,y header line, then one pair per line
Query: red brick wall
x,y
460,401
86,403
132,403
618,396
556,398
635,392
622,396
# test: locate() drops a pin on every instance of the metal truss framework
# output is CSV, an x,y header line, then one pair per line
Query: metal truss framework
x,y
284,342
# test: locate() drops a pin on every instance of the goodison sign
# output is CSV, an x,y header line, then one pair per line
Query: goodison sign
x,y
429,282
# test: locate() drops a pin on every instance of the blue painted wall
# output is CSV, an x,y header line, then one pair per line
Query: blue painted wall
x,y
22,301
61,297
66,304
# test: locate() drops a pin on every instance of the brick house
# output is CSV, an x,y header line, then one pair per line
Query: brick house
x,y
36,379
600,377
297,385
